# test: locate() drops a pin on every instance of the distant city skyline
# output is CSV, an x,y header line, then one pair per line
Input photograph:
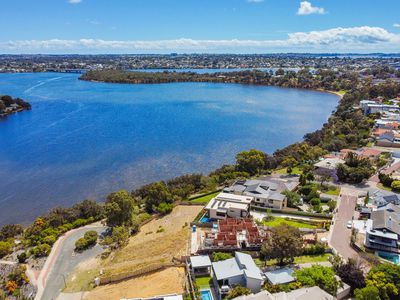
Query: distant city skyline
x,y
206,26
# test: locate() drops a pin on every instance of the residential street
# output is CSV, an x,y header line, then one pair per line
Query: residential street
x,y
340,238
62,261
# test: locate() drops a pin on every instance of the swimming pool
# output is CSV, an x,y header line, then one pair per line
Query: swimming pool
x,y
204,220
206,295
394,258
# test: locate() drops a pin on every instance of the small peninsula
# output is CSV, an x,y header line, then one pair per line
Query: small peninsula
x,y
9,105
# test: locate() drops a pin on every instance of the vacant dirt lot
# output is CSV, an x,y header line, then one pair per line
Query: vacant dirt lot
x,y
168,281
157,242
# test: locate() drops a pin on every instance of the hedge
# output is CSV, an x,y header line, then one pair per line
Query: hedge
x,y
202,195
291,212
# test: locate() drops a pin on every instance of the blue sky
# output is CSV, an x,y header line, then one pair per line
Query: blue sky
x,y
163,26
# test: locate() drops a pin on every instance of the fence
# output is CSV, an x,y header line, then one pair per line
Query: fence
x,y
137,273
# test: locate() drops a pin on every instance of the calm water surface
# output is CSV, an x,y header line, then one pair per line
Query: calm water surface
x,y
84,140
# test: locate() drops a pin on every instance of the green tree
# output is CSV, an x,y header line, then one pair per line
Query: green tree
x,y
5,248
119,208
10,231
293,199
238,291
164,208
88,240
367,293
351,273
386,278
332,205
284,244
154,194
119,237
318,275
251,161
395,185
366,199
218,256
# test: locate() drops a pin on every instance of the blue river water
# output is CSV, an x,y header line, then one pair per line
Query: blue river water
x,y
84,140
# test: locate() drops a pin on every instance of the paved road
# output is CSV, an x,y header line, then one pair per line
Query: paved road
x,y
340,238
62,261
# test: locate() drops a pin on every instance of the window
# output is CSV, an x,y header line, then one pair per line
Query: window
x,y
221,214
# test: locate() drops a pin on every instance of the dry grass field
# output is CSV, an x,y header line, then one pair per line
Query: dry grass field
x,y
168,281
157,242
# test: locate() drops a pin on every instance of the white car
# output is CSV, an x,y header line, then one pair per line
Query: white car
x,y
349,224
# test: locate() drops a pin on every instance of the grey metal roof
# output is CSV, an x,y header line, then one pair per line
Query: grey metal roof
x,y
280,276
241,264
200,261
394,198
226,269
384,219
247,263
270,188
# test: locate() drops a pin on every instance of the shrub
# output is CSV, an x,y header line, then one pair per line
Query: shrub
x,y
314,249
324,277
238,291
50,239
79,223
118,238
385,179
315,201
5,248
217,256
88,240
22,257
164,208
41,250
395,185
10,231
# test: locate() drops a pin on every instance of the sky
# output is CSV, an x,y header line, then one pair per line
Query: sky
x,y
199,26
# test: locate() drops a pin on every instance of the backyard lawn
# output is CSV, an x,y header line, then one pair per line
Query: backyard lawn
x,y
205,199
297,260
334,192
295,170
203,282
279,220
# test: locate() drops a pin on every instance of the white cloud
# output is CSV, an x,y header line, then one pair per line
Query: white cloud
x,y
74,1
354,39
94,22
255,1
397,25
306,8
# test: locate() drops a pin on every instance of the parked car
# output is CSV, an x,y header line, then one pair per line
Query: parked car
x,y
349,224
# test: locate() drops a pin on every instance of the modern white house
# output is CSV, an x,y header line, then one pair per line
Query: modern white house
x,y
383,232
240,270
200,264
372,107
229,205
267,192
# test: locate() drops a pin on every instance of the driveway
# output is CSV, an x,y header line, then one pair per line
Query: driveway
x,y
62,261
340,236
